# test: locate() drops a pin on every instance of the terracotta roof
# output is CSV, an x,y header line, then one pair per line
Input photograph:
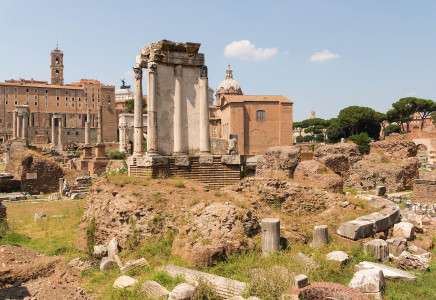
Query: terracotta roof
x,y
256,98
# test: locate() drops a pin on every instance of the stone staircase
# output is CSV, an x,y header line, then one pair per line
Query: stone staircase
x,y
80,188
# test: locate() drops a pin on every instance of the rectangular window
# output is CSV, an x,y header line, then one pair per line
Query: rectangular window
x,y
66,104
15,96
260,115
6,89
86,89
66,92
58,92
72,99
46,91
92,89
6,96
93,106
35,90
16,102
80,105
86,105
27,97
66,98
80,99
72,93
36,97
46,104
36,103
214,130
77,133
57,104
57,98
72,105
15,89
27,90
79,93
46,97
6,102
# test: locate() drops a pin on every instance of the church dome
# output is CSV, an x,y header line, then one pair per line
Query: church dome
x,y
229,85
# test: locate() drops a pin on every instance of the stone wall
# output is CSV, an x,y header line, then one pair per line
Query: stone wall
x,y
339,157
424,191
279,162
397,149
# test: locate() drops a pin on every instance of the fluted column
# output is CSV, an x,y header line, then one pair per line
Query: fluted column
x,y
14,124
138,137
88,128
151,108
178,118
100,125
19,122
204,111
25,124
60,121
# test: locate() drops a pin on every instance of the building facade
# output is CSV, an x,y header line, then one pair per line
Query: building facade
x,y
256,121
69,102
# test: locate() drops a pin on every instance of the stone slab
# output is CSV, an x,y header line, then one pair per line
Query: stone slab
x,y
356,229
388,272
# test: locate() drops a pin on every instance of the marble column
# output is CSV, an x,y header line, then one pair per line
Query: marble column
x,y
60,146
19,122
151,108
14,124
53,130
100,125
178,117
31,120
25,124
122,146
204,112
138,137
88,127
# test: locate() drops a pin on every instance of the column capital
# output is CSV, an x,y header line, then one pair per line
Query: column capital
x,y
178,70
152,66
138,73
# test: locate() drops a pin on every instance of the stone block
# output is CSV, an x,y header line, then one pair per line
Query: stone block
x,y
118,261
107,263
410,261
100,251
414,248
234,159
404,230
39,215
339,256
301,281
369,282
205,160
112,248
355,229
378,248
388,272
396,245
183,291
381,221
380,190
154,290
320,236
132,264
181,161
124,282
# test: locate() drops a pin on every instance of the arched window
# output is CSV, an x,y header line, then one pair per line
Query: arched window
x,y
260,115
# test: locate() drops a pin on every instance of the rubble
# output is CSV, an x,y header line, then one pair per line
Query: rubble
x,y
369,282
124,282
278,162
388,272
338,256
339,157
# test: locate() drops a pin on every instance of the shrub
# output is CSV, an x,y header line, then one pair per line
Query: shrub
x,y
300,139
116,155
362,141
307,138
319,137
392,128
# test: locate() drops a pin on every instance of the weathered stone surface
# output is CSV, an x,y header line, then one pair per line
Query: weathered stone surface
x,y
39,215
270,235
236,298
112,248
100,251
131,264
397,245
54,196
182,161
301,281
154,290
414,248
378,248
233,159
356,229
205,160
372,171
220,226
404,230
338,157
398,149
118,261
107,263
278,162
307,261
124,282
388,272
339,256
319,175
370,282
224,287
183,291
410,261
380,190
320,236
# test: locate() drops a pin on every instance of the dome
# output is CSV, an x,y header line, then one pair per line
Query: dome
x,y
229,83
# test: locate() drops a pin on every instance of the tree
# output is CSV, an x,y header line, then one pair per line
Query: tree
x,y
315,126
392,128
403,112
319,137
362,141
300,139
307,138
425,107
298,126
357,119
130,105
335,132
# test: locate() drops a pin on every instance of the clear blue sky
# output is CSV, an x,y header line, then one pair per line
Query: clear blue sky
x,y
323,55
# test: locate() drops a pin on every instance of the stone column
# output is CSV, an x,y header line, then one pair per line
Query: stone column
x,y
100,125
122,146
53,132
178,117
87,132
31,121
19,122
14,124
204,112
25,125
60,146
320,235
270,235
138,137
151,108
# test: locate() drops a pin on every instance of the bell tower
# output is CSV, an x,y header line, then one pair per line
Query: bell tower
x,y
57,67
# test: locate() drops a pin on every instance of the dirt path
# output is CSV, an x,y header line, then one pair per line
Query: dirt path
x,y
25,274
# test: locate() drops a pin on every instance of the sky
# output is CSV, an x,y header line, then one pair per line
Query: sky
x,y
324,55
